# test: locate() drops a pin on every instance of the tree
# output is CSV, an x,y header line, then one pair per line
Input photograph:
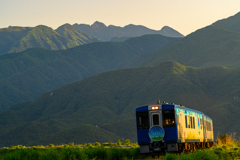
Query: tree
x,y
127,142
119,143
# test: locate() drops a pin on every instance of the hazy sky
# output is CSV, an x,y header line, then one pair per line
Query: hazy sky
x,y
185,16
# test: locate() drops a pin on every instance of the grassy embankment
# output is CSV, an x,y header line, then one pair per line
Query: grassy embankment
x,y
108,151
226,148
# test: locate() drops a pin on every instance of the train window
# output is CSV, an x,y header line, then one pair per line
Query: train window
x,y
186,121
169,118
142,120
205,125
178,120
194,122
190,121
155,119
208,125
201,123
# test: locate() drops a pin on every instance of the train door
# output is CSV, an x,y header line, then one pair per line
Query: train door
x,y
180,125
204,129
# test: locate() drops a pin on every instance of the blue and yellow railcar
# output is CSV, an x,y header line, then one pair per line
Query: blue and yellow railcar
x,y
170,127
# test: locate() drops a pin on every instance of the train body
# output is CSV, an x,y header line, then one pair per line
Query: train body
x,y
170,127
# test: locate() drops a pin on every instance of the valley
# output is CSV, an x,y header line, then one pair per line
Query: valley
x,y
86,90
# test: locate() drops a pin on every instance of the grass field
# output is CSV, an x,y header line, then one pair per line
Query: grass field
x,y
225,148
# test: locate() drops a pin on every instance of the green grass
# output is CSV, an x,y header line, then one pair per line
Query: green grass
x,y
226,147
68,152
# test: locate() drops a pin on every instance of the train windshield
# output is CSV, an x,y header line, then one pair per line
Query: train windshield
x,y
169,118
142,120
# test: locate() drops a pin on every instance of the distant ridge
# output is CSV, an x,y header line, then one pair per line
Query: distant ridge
x,y
231,23
100,30
209,46
17,39
77,36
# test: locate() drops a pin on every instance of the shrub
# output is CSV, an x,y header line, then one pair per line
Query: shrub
x,y
52,145
89,144
119,143
225,139
105,144
97,144
71,144
66,146
127,142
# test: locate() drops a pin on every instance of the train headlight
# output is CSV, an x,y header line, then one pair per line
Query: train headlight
x,y
155,107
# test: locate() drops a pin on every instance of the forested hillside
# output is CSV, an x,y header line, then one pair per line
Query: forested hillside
x,y
16,39
108,101
214,45
89,93
231,23
26,75
209,46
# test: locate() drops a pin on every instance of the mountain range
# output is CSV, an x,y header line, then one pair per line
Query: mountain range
x,y
100,30
209,46
99,105
16,39
103,105
26,75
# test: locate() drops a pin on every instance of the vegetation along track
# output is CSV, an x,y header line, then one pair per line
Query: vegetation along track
x,y
225,148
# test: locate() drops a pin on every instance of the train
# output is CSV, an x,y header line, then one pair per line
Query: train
x,y
164,127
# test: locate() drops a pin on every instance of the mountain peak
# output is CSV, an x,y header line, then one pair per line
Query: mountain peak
x,y
166,28
100,30
168,31
66,25
98,24
42,27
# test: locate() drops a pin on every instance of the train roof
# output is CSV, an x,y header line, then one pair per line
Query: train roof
x,y
168,107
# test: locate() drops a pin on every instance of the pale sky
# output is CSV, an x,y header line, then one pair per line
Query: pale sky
x,y
185,16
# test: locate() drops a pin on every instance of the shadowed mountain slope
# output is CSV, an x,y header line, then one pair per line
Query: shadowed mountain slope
x,y
26,75
209,46
119,39
109,99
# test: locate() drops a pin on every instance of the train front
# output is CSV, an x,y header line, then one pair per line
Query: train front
x,y
156,128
